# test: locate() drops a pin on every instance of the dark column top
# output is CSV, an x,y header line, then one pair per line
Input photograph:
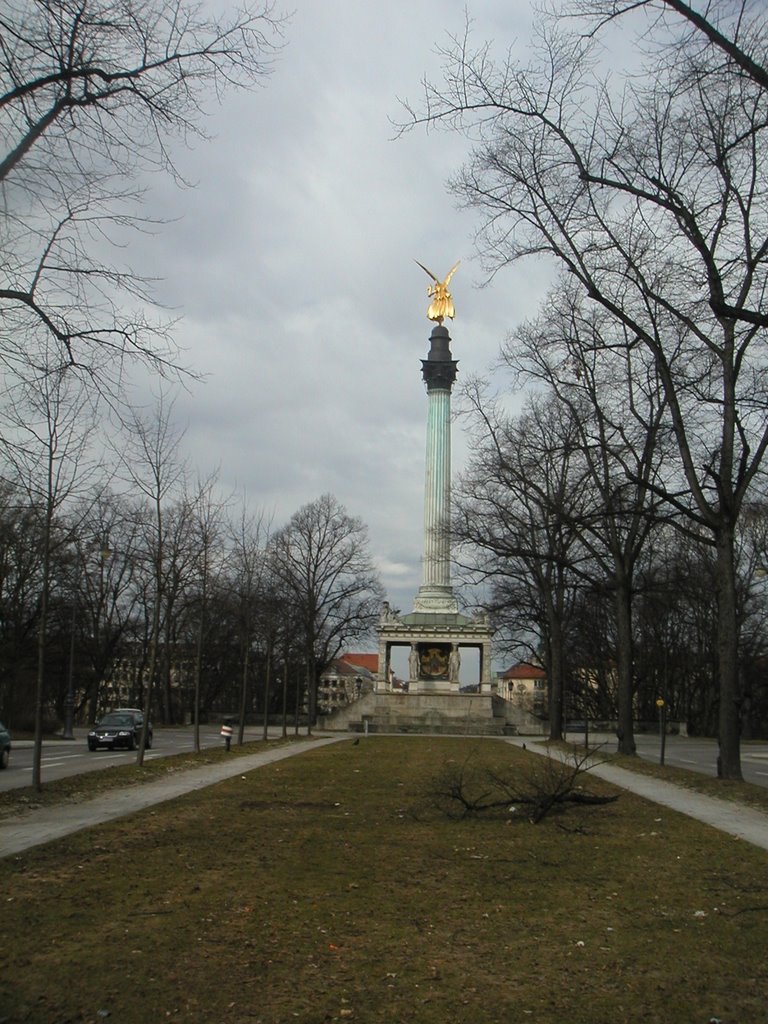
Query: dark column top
x,y
439,368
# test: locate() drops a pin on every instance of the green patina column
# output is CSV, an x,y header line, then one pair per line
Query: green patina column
x,y
439,372
435,632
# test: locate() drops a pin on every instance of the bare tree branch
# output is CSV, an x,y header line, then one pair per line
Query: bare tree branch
x,y
94,94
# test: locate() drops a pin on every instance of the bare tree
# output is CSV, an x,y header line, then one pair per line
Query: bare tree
x,y
652,195
728,26
20,546
544,786
514,521
105,541
153,467
207,524
94,94
248,569
617,409
48,421
321,558
676,629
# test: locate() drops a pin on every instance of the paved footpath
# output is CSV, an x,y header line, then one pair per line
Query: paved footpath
x,y
725,815
31,828
42,825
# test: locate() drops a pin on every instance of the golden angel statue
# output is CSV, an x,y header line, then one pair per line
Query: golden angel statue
x,y
442,302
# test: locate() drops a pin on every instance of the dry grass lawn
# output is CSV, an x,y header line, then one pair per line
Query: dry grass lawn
x,y
325,888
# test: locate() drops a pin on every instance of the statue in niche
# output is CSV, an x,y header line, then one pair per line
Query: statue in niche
x,y
454,664
413,663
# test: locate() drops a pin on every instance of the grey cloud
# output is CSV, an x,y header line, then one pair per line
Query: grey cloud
x,y
291,263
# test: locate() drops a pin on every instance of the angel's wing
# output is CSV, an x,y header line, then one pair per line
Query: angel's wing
x,y
435,279
451,272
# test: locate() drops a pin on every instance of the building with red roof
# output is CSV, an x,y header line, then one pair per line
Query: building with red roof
x,y
525,685
346,679
370,662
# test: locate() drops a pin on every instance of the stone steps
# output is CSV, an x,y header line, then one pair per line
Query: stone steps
x,y
433,714
419,727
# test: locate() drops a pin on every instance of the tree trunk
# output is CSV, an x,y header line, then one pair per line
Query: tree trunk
x,y
267,675
153,643
198,674
244,692
167,691
37,757
285,698
297,708
148,700
729,725
310,693
555,677
625,670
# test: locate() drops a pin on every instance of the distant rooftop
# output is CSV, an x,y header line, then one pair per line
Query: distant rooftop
x,y
369,662
524,670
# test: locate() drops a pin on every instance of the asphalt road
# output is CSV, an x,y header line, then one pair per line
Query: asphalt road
x,y
695,754
62,758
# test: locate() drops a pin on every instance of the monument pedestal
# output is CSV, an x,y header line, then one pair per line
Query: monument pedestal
x,y
447,714
435,641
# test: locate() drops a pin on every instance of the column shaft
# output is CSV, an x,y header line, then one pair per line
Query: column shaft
x,y
437,492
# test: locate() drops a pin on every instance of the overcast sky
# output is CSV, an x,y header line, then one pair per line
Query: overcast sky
x,y
292,265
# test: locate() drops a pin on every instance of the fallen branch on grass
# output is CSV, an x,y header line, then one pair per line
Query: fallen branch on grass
x,y
547,785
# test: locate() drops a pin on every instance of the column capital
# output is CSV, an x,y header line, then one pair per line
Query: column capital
x,y
439,368
439,376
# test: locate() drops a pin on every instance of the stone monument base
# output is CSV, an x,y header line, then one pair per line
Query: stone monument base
x,y
435,641
454,714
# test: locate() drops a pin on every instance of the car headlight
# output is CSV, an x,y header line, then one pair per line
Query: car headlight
x,y
92,732
124,732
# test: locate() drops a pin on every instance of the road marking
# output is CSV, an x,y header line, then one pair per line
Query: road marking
x,y
47,764
57,764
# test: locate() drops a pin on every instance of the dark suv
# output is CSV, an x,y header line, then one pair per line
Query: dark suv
x,y
121,728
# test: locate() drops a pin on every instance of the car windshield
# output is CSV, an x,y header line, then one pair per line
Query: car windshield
x,y
116,720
